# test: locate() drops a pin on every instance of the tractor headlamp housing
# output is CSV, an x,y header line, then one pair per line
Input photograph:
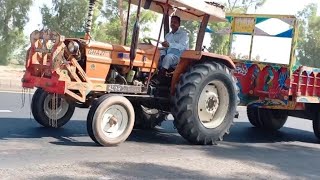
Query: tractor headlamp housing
x,y
73,47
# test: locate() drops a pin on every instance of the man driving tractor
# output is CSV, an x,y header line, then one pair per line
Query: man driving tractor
x,y
175,43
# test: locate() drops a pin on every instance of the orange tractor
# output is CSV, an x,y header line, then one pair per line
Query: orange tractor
x,y
114,81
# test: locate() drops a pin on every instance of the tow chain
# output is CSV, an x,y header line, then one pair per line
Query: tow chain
x,y
53,120
23,99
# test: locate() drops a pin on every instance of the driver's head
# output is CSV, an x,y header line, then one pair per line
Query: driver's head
x,y
175,23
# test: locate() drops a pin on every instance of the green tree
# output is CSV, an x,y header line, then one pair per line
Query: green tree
x,y
309,33
242,6
69,16
219,43
192,27
66,16
13,17
115,15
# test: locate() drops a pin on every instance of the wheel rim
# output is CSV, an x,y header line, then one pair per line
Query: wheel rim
x,y
61,109
213,104
115,121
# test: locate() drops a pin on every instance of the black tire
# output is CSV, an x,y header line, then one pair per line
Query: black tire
x,y
185,103
272,119
34,101
316,125
95,117
253,115
39,114
268,119
146,118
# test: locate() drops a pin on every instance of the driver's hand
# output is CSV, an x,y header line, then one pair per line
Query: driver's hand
x,y
165,44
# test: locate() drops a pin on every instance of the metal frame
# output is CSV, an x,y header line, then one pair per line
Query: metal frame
x,y
231,16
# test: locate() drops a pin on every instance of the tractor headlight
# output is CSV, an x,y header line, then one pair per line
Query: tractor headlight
x,y
73,47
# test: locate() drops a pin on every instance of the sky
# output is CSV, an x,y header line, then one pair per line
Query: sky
x,y
35,19
290,7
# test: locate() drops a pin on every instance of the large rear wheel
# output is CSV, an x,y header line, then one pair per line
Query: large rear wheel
x,y
110,120
204,104
51,110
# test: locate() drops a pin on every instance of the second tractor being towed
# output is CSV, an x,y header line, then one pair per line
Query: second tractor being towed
x,y
272,82
114,80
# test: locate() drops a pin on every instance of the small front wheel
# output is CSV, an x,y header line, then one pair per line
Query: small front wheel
x,y
110,120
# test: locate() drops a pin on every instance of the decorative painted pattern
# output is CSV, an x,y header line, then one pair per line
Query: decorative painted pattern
x,y
271,85
263,81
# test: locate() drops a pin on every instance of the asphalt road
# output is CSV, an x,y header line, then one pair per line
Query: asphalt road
x,y
28,151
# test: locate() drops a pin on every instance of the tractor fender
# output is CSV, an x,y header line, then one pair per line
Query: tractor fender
x,y
190,57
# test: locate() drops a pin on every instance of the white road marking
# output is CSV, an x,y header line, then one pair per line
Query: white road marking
x,y
5,111
16,92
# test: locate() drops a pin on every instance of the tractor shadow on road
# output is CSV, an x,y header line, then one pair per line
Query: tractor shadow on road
x,y
244,132
74,133
293,152
166,134
23,128
241,132
134,170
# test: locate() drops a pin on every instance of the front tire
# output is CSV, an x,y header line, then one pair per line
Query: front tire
x,y
204,104
110,120
47,115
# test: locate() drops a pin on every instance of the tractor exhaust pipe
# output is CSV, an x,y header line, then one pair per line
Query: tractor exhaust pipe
x,y
89,20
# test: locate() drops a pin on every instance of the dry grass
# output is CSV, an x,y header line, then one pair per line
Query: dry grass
x,y
10,77
11,72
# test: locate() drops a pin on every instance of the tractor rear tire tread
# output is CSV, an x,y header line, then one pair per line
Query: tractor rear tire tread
x,y
184,103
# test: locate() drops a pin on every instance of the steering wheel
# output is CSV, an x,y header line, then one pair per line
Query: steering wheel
x,y
149,39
